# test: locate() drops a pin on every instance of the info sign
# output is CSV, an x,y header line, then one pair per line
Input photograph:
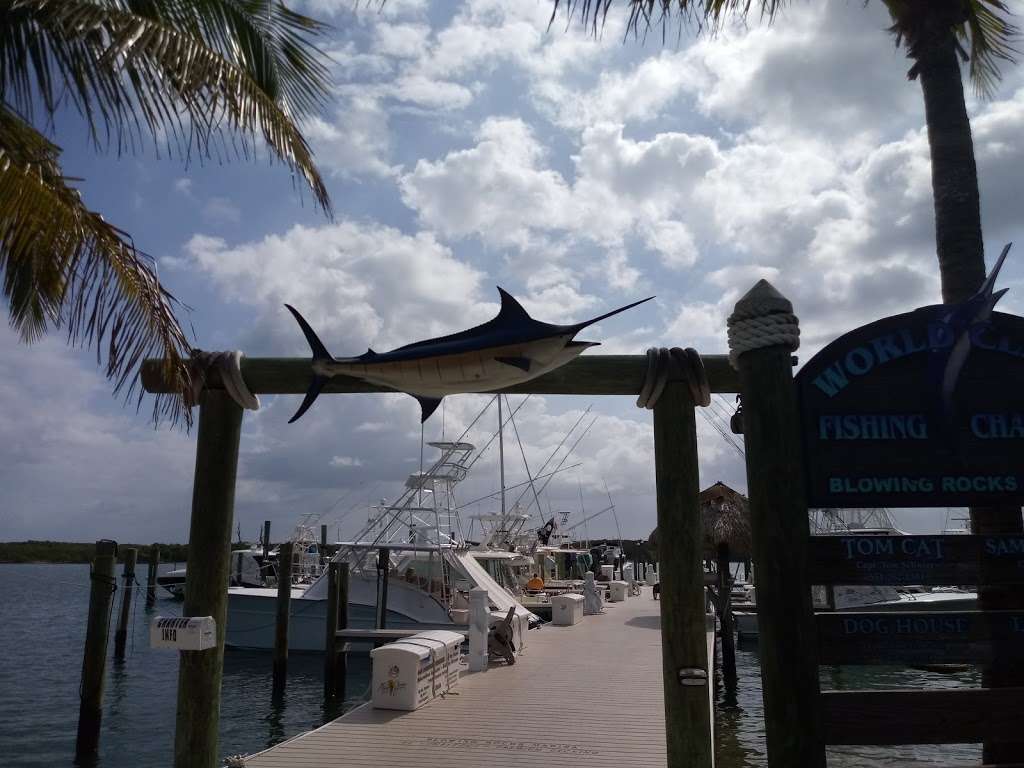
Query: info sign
x,y
924,409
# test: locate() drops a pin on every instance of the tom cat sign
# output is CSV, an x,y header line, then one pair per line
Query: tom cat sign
x,y
922,409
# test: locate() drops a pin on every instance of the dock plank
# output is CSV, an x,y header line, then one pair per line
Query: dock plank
x,y
591,691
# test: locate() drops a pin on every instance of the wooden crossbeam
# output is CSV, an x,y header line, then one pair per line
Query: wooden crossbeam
x,y
588,375
958,716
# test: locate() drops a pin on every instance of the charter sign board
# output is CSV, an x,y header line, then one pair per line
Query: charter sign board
x,y
921,409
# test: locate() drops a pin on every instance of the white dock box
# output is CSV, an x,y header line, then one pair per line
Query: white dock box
x,y
183,633
617,591
607,572
566,610
409,673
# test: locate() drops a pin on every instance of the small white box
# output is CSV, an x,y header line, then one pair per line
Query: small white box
x,y
566,610
409,673
617,591
607,572
183,633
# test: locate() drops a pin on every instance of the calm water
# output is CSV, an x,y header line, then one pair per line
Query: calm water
x,y
42,628
42,631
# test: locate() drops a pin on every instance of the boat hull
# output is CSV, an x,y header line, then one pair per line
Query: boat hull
x,y
252,613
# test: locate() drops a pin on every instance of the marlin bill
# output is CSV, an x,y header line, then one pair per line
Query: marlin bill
x,y
509,349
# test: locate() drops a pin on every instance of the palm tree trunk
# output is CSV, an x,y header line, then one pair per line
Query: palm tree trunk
x,y
954,174
962,269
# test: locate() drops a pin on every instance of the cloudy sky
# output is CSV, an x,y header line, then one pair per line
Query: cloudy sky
x,y
471,145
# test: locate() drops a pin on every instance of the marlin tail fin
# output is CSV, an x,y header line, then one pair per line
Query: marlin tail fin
x,y
319,353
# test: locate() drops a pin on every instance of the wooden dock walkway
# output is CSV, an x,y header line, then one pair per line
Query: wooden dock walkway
x,y
592,691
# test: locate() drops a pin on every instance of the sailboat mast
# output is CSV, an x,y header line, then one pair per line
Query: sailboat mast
x,y
501,458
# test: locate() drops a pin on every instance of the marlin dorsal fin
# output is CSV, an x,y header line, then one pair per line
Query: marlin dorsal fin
x,y
511,310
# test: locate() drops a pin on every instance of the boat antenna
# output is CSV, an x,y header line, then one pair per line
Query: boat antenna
x,y
522,452
614,514
501,458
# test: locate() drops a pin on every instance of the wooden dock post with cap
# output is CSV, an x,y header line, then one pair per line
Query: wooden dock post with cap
x,y
789,674
102,586
284,599
683,646
209,566
127,591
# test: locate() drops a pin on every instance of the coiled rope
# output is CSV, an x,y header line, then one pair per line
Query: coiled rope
x,y
762,318
229,365
675,364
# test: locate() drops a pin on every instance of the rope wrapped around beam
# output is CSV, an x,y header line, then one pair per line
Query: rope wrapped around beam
x,y
663,365
229,366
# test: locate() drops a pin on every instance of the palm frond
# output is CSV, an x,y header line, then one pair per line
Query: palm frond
x,y
984,25
64,266
188,71
707,15
990,36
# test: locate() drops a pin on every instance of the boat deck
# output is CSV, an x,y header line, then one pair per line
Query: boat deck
x,y
592,691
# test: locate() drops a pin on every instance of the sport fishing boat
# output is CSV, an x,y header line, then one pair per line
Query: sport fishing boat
x,y
408,568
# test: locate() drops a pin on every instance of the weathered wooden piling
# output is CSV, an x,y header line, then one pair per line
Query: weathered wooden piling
x,y
793,722
383,567
336,656
154,565
725,614
323,543
102,586
208,568
266,542
284,599
685,660
127,591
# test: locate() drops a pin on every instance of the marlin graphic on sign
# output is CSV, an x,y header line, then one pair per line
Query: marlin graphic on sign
x,y
507,350
963,320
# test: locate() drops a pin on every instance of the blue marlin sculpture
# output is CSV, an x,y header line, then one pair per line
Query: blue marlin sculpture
x,y
511,348
963,319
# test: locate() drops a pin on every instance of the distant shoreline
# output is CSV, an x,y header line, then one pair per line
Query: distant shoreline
x,y
70,552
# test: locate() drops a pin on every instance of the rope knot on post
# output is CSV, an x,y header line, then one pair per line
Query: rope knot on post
x,y
229,365
762,318
675,364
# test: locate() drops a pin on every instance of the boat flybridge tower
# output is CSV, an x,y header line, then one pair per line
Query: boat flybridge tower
x,y
426,513
863,521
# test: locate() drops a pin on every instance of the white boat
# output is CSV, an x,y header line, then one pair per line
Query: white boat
x,y
246,571
410,558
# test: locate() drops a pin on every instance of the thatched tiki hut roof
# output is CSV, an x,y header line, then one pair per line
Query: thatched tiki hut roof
x,y
725,514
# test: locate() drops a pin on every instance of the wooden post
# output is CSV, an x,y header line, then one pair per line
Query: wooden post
x,y
284,597
154,565
725,614
101,594
264,566
1002,672
683,640
787,637
337,618
127,590
383,567
323,542
208,568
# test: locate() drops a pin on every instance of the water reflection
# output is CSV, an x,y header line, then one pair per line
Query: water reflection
x,y
739,716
